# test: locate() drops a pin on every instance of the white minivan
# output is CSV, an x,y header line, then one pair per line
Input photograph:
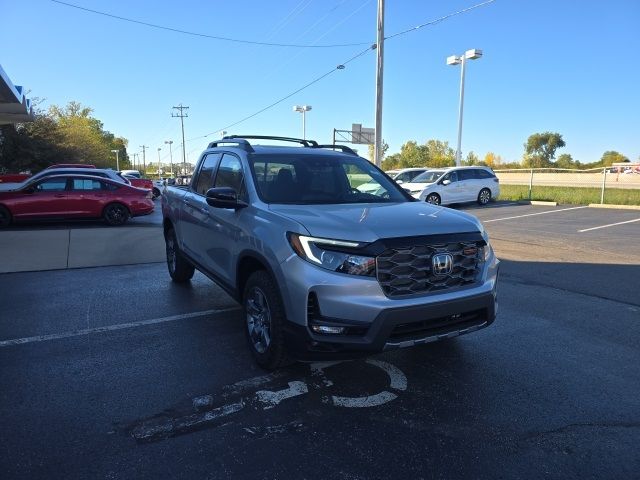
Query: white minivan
x,y
455,185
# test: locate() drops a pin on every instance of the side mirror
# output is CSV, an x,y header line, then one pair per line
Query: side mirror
x,y
29,190
399,182
446,182
224,197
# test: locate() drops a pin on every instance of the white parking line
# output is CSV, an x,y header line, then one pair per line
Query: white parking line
x,y
607,226
109,328
533,214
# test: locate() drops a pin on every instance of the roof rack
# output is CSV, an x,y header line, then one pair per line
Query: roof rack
x,y
306,143
242,143
344,148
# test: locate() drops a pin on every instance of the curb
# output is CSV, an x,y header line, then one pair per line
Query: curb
x,y
621,207
540,202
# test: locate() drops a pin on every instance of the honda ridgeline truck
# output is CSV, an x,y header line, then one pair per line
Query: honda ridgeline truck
x,y
322,269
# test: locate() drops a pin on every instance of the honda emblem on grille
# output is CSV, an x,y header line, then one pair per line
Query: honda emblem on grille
x,y
442,263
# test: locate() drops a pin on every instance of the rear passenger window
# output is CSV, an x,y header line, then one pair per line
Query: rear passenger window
x,y
204,181
468,174
84,184
484,174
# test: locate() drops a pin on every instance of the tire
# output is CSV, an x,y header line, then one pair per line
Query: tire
x,y
264,320
180,270
484,196
5,217
155,192
115,214
433,198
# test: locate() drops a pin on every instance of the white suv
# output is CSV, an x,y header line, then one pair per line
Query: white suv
x,y
455,185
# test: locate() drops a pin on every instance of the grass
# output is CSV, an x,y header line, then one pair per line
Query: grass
x,y
571,195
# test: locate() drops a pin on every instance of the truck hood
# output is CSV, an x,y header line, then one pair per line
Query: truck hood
x,y
372,221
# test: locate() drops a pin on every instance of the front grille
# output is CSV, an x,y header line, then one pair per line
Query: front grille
x,y
409,270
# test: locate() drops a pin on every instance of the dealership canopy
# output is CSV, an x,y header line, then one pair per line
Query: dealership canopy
x,y
14,106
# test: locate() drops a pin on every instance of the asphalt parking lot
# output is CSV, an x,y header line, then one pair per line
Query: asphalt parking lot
x,y
115,372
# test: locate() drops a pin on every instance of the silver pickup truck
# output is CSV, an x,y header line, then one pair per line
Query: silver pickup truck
x,y
321,268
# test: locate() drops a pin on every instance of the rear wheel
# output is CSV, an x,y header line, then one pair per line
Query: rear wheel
x,y
433,198
155,192
484,196
264,318
180,270
5,217
115,214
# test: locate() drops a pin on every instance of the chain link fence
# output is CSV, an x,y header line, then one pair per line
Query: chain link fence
x,y
612,185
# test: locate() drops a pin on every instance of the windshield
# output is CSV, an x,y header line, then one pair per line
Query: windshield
x,y
429,176
306,179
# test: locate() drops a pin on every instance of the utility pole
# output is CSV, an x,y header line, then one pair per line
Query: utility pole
x,y
379,76
181,115
134,155
144,159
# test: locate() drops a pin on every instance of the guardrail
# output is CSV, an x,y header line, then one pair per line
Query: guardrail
x,y
599,185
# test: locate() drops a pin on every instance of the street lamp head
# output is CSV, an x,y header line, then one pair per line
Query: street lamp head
x,y
168,142
114,151
453,60
473,54
301,108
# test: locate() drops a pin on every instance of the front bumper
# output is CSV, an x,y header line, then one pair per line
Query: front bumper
x,y
372,321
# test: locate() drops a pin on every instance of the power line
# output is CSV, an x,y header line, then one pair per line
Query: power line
x,y
341,66
441,19
268,44
338,67
204,35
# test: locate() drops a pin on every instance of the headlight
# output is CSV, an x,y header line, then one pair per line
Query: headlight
x,y
332,255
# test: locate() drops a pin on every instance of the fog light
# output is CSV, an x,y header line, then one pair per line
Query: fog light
x,y
327,329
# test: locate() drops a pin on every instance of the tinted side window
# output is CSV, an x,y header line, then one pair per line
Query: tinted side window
x,y
85,184
404,177
204,180
481,173
230,173
52,185
468,174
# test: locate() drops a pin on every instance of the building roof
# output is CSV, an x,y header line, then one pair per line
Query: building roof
x,y
14,106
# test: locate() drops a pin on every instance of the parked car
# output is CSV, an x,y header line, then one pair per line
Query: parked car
x,y
455,185
143,183
73,196
48,172
131,173
322,269
400,176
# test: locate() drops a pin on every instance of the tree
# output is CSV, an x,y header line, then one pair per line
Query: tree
x,y
472,159
610,157
566,161
60,135
492,160
439,154
385,147
540,149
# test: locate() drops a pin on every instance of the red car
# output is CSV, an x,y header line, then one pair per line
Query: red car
x,y
74,196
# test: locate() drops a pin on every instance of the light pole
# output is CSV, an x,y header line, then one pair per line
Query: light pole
x,y
117,152
170,142
302,109
159,148
473,54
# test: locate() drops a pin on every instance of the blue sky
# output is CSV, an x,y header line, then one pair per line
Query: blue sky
x,y
564,66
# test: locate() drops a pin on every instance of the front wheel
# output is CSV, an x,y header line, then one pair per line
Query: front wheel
x,y
155,192
433,198
264,318
180,269
115,214
484,196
